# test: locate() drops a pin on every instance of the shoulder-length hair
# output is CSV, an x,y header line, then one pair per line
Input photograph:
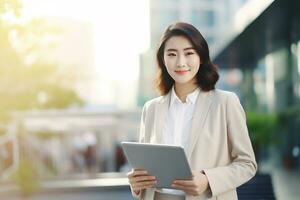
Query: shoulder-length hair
x,y
207,75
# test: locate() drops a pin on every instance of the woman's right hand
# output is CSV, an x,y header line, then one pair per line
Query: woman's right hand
x,y
140,179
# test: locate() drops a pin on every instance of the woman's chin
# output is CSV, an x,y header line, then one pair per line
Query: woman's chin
x,y
182,80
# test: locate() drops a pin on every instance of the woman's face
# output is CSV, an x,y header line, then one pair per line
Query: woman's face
x,y
181,59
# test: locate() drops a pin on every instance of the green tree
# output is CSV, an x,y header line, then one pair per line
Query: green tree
x,y
26,80
26,177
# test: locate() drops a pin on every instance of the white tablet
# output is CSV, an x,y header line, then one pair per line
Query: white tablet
x,y
166,162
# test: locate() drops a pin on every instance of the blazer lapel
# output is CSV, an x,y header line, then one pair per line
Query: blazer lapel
x,y
161,111
203,104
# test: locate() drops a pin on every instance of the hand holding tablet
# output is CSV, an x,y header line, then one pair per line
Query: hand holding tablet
x,y
165,162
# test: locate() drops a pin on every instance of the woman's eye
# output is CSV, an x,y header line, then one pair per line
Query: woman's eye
x,y
189,53
171,54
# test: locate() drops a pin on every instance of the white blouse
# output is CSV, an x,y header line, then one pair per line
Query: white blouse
x,y
179,119
178,125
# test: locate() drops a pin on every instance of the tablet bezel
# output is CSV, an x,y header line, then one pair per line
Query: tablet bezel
x,y
159,160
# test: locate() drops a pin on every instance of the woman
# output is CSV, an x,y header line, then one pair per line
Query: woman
x,y
209,123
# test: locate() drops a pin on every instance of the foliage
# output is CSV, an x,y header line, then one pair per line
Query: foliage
x,y
2,130
12,6
27,80
26,177
46,134
262,129
288,114
267,129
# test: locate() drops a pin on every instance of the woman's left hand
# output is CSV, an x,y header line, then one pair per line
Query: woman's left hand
x,y
195,187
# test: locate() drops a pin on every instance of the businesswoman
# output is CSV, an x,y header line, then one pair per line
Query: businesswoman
x,y
209,123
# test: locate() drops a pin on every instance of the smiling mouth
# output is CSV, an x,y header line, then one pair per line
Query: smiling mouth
x,y
182,71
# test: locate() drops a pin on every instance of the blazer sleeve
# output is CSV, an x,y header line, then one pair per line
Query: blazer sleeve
x,y
142,140
243,166
142,125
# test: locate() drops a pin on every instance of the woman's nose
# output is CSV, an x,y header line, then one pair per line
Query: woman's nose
x,y
181,62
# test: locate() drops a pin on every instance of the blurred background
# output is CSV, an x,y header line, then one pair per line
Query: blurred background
x,y
74,76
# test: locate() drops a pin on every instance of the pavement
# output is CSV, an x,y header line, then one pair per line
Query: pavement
x,y
286,182
286,186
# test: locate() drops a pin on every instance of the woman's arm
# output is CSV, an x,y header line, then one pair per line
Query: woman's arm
x,y
142,125
137,193
243,165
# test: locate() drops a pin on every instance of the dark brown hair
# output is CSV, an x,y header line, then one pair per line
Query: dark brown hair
x,y
207,75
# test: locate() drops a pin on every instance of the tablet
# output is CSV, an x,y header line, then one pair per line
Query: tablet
x,y
166,162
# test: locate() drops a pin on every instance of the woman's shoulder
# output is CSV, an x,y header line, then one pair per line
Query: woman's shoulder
x,y
154,101
224,95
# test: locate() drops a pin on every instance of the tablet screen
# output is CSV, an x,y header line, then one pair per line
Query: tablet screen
x,y
166,162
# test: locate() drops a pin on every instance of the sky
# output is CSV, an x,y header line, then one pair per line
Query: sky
x,y
121,30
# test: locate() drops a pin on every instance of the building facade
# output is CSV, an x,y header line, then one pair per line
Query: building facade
x,y
211,17
267,51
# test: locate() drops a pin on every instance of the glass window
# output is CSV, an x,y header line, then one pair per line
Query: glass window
x,y
203,18
270,83
160,19
296,70
164,2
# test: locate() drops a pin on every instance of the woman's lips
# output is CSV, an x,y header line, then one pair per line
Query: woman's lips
x,y
181,71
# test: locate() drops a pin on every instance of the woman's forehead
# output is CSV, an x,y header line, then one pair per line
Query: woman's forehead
x,y
178,43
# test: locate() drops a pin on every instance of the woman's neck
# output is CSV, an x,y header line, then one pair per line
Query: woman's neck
x,y
183,89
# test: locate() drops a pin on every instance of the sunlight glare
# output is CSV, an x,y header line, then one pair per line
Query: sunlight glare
x,y
121,34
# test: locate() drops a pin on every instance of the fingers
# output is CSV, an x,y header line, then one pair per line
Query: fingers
x,y
143,185
133,173
189,190
190,187
189,183
140,179
143,178
183,187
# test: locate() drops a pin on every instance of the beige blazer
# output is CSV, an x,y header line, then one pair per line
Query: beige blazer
x,y
219,143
